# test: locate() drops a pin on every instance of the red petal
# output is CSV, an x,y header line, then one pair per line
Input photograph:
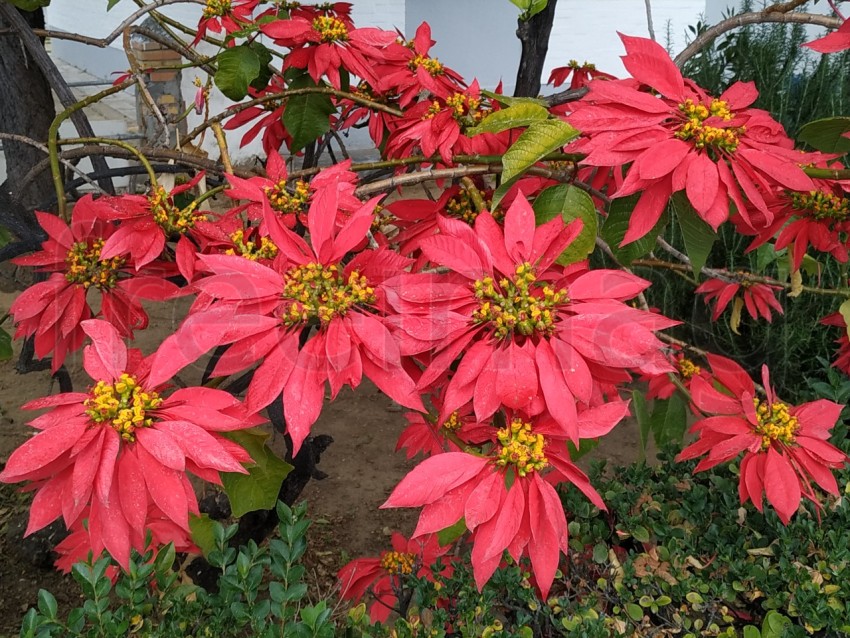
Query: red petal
x,y
781,485
434,477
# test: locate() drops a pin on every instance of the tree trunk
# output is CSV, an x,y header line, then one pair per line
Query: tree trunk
x,y
26,108
534,35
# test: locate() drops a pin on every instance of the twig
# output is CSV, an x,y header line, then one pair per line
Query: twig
x,y
426,175
649,24
48,68
769,15
835,9
53,139
143,89
36,144
139,13
222,147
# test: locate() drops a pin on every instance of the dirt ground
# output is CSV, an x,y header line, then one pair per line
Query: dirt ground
x,y
361,464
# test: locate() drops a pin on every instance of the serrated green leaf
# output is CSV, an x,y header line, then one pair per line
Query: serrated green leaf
x,y
257,490
669,420
616,225
5,345
827,134
307,116
699,237
535,143
521,114
642,417
451,534
572,203
844,310
237,68
264,55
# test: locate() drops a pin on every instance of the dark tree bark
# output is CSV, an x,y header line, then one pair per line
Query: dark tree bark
x,y
26,108
534,35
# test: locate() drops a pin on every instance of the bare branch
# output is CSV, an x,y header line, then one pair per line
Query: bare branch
x,y
649,25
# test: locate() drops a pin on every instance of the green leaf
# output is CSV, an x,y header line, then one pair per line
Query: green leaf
x,y
258,489
585,446
237,68
774,625
572,203
642,416
451,534
535,143
47,604
827,135
5,345
265,73
600,553
530,8
520,114
307,116
29,5
669,420
634,611
751,631
616,225
640,534
203,535
699,237
844,310
509,100
111,3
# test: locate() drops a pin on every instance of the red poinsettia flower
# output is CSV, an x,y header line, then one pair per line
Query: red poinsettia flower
x,y
272,190
263,313
410,71
51,311
715,149
383,577
224,15
270,119
78,544
836,41
581,74
124,445
842,359
786,447
757,298
438,125
660,386
148,222
819,218
529,335
326,43
503,496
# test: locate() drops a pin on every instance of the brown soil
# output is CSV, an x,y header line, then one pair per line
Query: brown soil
x,y
361,464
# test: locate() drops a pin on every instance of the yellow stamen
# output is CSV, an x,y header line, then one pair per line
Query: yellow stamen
x,y
316,292
775,423
521,448
821,205
123,405
249,249
330,29
171,219
704,135
398,562
86,268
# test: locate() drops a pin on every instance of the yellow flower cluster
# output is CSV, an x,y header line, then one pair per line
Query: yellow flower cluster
x,y
521,448
694,128
462,105
171,218
462,207
432,65
314,291
282,201
86,268
517,306
687,368
775,423
453,422
250,249
216,8
330,29
123,405
398,562
821,205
